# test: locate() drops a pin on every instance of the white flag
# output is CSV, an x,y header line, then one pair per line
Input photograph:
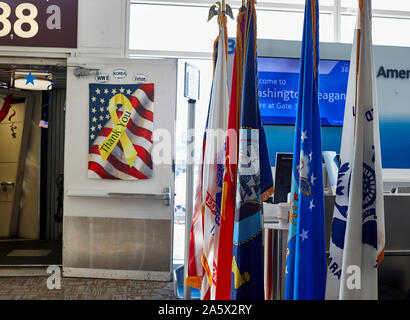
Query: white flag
x,y
357,236
213,167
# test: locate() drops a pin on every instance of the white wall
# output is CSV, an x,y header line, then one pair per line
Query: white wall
x,y
102,27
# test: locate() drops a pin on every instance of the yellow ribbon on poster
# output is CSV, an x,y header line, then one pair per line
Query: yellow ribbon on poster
x,y
118,133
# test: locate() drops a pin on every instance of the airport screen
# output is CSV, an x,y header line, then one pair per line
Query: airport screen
x,y
278,90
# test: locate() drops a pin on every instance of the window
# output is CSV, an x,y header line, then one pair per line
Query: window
x,y
283,25
181,26
348,23
386,31
173,28
400,5
389,19
300,2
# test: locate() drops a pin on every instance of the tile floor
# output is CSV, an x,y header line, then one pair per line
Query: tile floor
x,y
35,288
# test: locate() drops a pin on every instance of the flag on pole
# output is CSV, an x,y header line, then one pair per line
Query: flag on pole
x,y
306,253
195,269
254,179
357,236
224,267
212,169
196,241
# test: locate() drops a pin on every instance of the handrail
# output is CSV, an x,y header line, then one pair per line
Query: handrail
x,y
166,195
402,252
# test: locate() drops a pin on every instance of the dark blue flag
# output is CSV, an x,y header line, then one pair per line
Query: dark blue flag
x,y
254,179
306,264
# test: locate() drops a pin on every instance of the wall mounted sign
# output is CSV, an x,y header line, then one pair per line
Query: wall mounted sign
x,y
39,23
119,73
120,131
191,83
102,77
140,78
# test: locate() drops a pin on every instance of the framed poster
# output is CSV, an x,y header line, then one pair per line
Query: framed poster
x,y
120,131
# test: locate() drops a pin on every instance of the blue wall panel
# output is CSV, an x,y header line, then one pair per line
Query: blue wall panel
x,y
394,139
280,139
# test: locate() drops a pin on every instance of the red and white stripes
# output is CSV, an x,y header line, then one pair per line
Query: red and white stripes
x,y
139,130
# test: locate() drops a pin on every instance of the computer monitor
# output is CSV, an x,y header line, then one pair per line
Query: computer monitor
x,y
283,177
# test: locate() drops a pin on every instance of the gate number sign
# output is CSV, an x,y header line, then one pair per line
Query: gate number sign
x,y
39,23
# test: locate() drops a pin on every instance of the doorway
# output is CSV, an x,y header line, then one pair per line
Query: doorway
x,y
31,171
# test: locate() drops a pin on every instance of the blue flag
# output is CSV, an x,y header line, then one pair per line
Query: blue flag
x,y
254,178
306,255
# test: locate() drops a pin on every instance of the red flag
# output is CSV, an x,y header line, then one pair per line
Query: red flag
x,y
223,280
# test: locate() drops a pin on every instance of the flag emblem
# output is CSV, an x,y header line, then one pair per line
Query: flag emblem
x,y
369,183
305,187
120,131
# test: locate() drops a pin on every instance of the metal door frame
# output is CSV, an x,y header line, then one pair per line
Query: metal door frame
x,y
29,97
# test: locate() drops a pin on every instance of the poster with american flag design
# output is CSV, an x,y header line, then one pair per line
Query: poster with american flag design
x,y
120,131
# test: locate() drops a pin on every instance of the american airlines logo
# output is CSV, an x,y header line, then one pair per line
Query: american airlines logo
x,y
393,73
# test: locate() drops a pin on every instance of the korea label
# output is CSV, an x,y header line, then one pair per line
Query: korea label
x,y
119,73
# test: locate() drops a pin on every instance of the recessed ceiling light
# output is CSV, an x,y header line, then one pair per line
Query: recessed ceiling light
x,y
28,80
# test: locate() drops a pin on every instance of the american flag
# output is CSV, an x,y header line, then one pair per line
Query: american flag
x,y
139,131
43,124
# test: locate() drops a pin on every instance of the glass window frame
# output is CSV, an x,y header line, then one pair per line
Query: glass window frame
x,y
235,4
337,10
376,13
